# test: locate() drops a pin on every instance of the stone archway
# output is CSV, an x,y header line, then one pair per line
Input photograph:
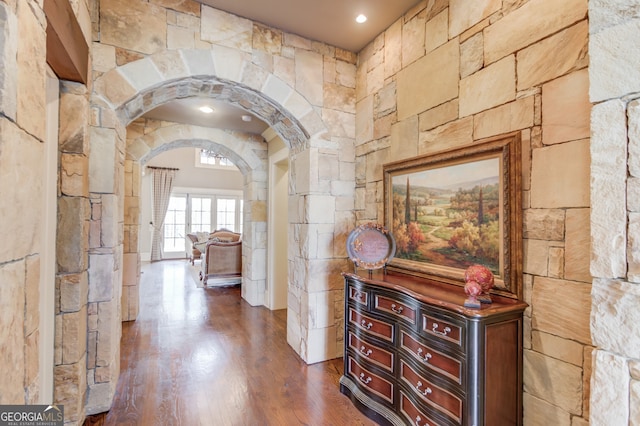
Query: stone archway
x,y
318,222
247,153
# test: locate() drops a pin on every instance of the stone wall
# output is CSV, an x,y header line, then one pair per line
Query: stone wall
x,y
22,148
452,72
614,73
147,53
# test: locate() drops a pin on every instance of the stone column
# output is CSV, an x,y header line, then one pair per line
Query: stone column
x,y
72,248
131,252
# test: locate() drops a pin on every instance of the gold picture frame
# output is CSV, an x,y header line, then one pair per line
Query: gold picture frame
x,y
455,208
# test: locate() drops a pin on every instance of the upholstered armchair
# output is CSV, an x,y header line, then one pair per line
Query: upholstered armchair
x,y
222,259
195,252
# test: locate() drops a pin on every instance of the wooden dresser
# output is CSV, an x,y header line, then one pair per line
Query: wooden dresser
x,y
415,355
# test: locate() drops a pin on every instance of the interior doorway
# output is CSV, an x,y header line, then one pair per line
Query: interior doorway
x,y
278,276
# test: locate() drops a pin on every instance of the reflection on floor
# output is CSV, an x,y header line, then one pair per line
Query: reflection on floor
x,y
203,356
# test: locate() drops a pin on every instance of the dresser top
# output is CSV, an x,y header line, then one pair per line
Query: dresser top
x,y
438,293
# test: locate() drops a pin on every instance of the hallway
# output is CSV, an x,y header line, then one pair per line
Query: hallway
x,y
205,357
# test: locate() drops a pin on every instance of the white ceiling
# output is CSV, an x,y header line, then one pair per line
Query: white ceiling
x,y
328,21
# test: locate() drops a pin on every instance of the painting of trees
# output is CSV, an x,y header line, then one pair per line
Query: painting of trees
x,y
450,217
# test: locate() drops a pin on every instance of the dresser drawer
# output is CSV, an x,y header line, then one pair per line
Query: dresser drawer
x,y
412,413
379,356
396,308
434,360
437,397
372,326
377,384
358,295
443,329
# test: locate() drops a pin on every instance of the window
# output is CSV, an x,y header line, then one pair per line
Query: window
x,y
211,159
199,213
226,213
174,224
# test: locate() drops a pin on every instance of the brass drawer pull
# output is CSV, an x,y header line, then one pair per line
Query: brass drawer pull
x,y
424,358
364,380
418,420
366,325
364,351
424,392
397,310
445,332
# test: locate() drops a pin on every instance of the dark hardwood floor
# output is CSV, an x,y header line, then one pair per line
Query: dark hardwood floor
x,y
205,357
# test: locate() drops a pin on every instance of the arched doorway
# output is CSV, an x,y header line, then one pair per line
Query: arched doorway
x,y
315,228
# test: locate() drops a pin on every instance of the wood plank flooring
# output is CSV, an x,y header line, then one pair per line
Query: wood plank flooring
x,y
205,357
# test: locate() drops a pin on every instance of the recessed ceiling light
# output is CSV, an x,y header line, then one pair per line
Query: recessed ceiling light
x,y
360,19
246,118
206,109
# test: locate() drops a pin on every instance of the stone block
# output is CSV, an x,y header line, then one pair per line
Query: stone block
x,y
492,86
634,403
364,120
319,209
413,38
448,136
554,56
604,14
340,98
31,72
137,26
544,224
392,49
72,131
70,384
12,301
471,55
556,262
74,175
8,59
614,68
633,120
557,347
609,390
532,21
566,110
180,38
436,31
438,73
614,317
464,15
72,241
557,183
404,139
309,78
19,151
190,7
562,308
608,190
536,257
553,381
506,118
539,412
103,152
74,290
74,336
101,277
578,245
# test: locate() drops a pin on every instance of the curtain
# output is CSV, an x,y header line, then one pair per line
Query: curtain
x,y
162,184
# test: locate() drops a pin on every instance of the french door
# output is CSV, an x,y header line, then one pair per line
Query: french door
x,y
190,213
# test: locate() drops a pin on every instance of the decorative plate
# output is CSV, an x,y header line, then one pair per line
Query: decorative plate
x,y
371,246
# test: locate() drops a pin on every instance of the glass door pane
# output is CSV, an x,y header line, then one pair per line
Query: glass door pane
x,y
175,224
226,213
201,214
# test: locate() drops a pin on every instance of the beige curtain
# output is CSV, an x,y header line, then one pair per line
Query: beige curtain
x,y
162,184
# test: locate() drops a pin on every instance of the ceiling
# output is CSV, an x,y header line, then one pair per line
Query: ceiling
x,y
329,21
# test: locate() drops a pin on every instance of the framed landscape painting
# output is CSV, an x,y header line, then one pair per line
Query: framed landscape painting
x,y
453,209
